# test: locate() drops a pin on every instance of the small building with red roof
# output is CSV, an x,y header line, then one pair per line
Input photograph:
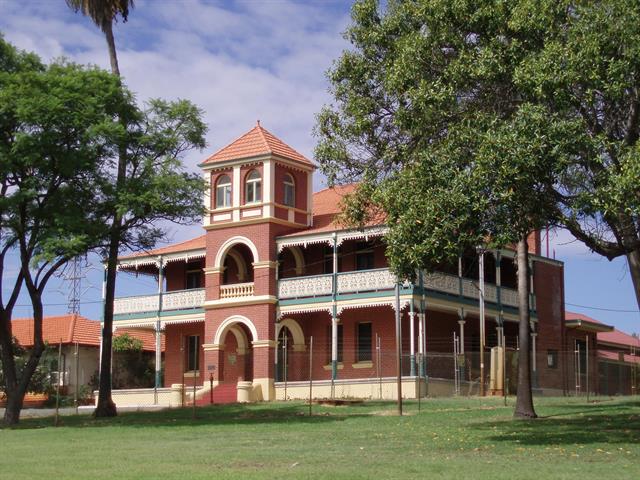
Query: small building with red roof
x,y
77,335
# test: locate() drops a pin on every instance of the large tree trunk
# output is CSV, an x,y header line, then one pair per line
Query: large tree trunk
x,y
16,388
106,407
524,401
633,260
111,45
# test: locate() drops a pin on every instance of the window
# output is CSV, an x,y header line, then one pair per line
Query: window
x,y
253,192
223,192
194,279
339,343
364,256
552,358
289,191
364,342
193,357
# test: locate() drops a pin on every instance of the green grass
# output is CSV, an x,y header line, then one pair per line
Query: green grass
x,y
450,438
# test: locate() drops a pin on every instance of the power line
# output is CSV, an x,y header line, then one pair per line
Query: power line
x,y
603,309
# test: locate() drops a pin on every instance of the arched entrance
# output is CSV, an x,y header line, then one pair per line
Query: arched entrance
x,y
235,335
291,356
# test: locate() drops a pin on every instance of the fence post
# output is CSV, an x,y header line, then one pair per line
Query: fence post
x,y
77,367
58,383
310,373
378,365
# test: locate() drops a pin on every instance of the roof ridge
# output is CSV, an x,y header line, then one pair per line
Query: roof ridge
x,y
72,328
229,144
263,137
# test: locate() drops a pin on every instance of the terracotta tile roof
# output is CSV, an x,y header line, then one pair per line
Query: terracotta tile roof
x,y
615,356
326,207
257,141
619,338
68,328
74,328
148,337
580,320
197,243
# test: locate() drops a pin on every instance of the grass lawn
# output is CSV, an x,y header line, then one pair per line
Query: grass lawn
x,y
449,438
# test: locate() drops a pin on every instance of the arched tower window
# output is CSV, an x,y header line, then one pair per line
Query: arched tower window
x,y
289,191
223,192
253,192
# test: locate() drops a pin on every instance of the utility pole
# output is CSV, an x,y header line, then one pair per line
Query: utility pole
x,y
399,347
482,319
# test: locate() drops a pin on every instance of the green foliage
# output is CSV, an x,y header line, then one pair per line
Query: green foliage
x,y
41,381
127,343
474,122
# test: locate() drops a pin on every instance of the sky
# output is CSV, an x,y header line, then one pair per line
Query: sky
x,y
243,61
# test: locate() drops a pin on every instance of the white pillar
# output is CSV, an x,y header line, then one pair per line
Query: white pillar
x,y
461,323
158,352
334,348
412,340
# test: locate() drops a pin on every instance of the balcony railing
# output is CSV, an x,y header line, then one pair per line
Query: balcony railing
x,y
312,286
177,300
236,290
382,279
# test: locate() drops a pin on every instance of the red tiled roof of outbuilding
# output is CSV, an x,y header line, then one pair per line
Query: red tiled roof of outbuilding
x,y
257,141
67,329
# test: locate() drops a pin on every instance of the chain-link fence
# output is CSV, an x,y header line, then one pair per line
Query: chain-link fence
x,y
373,373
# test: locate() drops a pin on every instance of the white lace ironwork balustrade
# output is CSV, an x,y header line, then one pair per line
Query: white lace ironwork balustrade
x,y
305,287
490,293
509,297
366,280
139,303
442,283
183,299
236,290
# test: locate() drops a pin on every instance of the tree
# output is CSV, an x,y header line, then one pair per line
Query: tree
x,y
65,132
104,13
430,118
55,127
425,64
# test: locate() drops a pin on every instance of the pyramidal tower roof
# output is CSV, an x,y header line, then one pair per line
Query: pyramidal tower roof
x,y
256,142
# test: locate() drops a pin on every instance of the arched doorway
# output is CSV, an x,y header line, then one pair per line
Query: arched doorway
x,y
236,335
291,351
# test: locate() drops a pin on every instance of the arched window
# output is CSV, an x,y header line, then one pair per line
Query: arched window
x,y
253,192
223,192
289,191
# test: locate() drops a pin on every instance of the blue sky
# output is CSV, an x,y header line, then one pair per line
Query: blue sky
x,y
241,61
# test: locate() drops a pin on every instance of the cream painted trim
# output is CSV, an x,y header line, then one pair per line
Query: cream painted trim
x,y
268,189
221,217
241,162
212,347
206,218
213,270
293,209
232,302
340,366
362,365
264,344
295,164
229,322
265,264
295,329
299,348
192,374
229,243
253,221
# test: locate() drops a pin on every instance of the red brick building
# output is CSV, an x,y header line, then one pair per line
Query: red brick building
x,y
240,304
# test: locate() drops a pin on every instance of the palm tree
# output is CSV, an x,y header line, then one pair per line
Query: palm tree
x,y
103,13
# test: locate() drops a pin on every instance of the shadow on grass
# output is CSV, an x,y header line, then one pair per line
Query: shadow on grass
x,y
616,423
236,414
